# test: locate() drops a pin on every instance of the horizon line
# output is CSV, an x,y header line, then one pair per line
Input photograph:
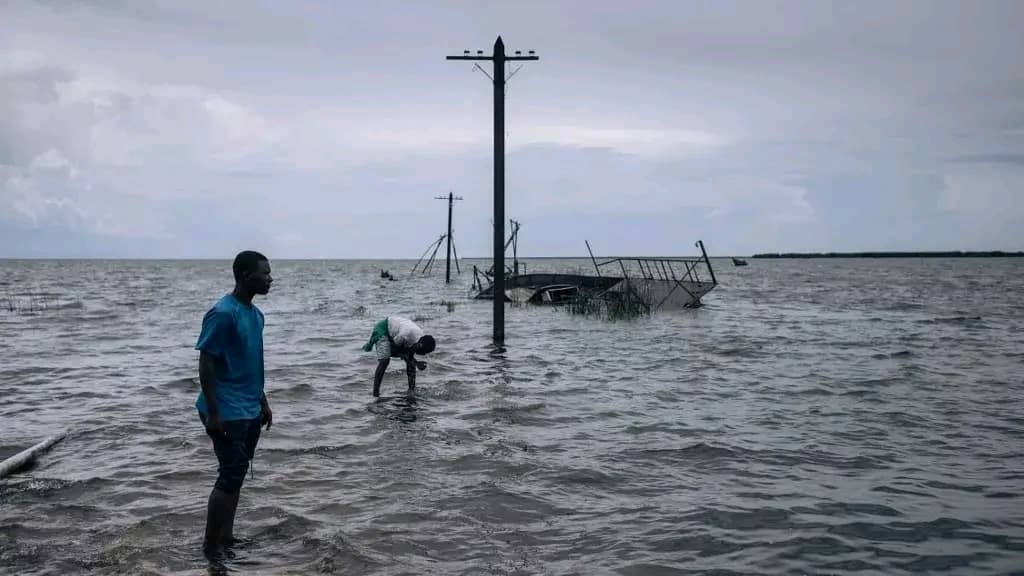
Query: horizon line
x,y
759,255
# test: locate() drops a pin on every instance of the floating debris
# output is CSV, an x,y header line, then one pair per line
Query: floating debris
x,y
21,459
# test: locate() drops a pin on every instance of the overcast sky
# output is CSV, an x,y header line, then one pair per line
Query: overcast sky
x,y
325,129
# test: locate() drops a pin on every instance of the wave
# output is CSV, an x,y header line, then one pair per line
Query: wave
x,y
951,320
898,354
699,452
187,384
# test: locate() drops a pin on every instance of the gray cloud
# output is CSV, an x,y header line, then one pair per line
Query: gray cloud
x,y
319,130
1006,158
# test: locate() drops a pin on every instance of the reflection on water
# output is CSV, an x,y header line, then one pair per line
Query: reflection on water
x,y
400,408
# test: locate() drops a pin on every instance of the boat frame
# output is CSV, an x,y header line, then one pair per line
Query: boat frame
x,y
653,281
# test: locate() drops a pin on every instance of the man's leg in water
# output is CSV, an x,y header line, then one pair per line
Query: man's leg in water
x,y
378,375
227,531
252,438
217,510
234,451
383,350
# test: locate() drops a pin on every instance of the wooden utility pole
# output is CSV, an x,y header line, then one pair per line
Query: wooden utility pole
x,y
499,59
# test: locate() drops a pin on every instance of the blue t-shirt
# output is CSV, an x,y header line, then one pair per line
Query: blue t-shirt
x,y
233,333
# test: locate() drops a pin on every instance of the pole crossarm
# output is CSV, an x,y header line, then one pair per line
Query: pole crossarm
x,y
506,58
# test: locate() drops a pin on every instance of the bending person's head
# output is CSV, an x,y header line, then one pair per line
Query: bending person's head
x,y
425,345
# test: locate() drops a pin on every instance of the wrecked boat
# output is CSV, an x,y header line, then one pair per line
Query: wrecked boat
x,y
652,283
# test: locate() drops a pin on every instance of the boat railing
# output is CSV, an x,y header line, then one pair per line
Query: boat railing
x,y
668,269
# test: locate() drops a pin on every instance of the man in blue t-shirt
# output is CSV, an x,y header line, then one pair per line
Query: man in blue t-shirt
x,y
232,404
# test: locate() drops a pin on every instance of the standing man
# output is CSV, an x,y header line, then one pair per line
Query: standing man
x,y
231,404
398,337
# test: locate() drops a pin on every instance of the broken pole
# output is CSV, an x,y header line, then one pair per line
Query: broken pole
x,y
592,259
515,246
707,261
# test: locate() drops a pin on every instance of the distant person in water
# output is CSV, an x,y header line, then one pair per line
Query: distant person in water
x,y
232,404
398,337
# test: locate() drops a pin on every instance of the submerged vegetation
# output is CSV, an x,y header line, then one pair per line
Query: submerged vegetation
x,y
625,303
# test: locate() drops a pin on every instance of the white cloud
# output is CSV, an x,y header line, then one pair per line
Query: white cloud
x,y
131,123
984,193
629,140
52,159
40,197
237,132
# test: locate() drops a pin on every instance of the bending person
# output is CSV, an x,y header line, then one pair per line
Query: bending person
x,y
398,337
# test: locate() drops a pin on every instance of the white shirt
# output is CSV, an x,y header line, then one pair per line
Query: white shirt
x,y
404,332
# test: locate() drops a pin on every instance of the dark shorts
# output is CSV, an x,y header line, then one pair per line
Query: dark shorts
x,y
234,452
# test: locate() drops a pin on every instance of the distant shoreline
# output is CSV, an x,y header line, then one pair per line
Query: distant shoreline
x,y
957,254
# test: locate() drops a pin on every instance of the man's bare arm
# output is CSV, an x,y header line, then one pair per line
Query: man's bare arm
x,y
208,381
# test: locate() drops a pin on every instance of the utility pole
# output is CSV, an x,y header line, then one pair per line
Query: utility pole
x,y
499,59
448,261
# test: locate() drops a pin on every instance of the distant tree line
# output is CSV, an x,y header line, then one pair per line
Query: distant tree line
x,y
956,254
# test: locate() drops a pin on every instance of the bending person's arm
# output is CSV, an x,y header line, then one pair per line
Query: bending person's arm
x,y
410,368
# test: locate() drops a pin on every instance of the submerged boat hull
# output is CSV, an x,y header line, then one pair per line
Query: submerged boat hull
x,y
561,288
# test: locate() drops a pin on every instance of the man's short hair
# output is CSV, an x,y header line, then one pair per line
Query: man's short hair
x,y
247,261
427,341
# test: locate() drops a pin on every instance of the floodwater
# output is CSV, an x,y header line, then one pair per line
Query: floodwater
x,y
815,416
